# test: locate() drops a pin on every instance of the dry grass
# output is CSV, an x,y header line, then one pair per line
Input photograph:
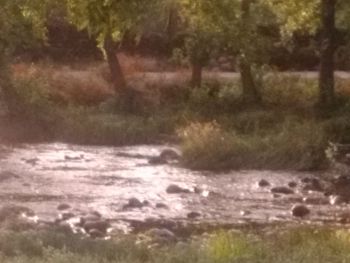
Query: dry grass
x,y
67,85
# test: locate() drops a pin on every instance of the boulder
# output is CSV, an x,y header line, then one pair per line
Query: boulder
x,y
62,207
100,225
292,184
161,206
282,190
175,189
161,235
89,218
12,212
95,233
193,215
300,211
66,216
134,203
263,183
170,155
313,185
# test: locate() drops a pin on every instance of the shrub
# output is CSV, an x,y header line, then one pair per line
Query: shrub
x,y
293,144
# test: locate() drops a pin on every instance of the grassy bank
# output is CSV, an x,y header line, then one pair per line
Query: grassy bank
x,y
214,128
296,245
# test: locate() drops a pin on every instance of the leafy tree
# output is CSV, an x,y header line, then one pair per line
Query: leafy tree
x,y
22,23
235,26
325,17
108,21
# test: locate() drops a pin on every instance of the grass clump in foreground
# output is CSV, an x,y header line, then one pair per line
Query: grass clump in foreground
x,y
296,245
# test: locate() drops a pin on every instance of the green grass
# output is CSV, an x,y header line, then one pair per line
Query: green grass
x,y
215,129
299,245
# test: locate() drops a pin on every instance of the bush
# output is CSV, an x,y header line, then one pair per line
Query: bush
x,y
293,144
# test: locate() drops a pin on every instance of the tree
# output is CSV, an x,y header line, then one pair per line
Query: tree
x,y
108,21
234,24
323,16
327,51
22,23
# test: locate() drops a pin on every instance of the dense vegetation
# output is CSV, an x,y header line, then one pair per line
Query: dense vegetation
x,y
297,245
261,120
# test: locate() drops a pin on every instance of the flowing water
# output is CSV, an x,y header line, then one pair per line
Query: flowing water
x,y
103,179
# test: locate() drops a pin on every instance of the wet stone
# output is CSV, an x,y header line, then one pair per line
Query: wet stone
x,y
300,210
66,216
146,203
100,225
282,190
95,233
193,215
161,235
61,207
306,180
170,155
175,189
161,206
133,203
276,196
292,184
63,227
343,218
263,183
13,212
89,218
313,185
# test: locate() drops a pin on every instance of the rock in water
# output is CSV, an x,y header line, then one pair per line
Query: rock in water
x,y
292,184
95,233
61,207
161,235
263,183
133,203
175,189
169,155
193,215
300,211
282,190
101,225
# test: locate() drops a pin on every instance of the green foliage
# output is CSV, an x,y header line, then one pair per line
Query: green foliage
x,y
288,144
108,18
306,245
22,23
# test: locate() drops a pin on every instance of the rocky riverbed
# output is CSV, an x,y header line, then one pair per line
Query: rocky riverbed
x,y
138,188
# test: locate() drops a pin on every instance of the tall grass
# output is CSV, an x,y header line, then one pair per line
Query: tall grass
x,y
290,144
301,245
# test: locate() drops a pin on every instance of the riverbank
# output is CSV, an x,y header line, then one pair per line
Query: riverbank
x,y
307,245
214,129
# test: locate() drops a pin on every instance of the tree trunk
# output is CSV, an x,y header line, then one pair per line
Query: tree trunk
x,y
249,88
250,91
117,74
326,74
196,80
